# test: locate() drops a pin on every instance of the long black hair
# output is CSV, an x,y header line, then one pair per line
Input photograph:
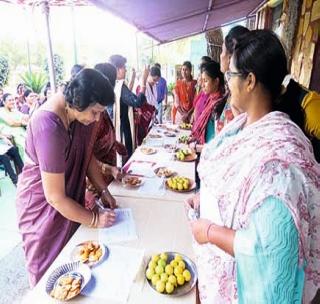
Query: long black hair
x,y
87,88
260,52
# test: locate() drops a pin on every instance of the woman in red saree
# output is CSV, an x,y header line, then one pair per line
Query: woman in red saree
x,y
184,93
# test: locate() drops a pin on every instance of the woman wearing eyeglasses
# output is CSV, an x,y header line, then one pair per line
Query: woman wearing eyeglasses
x,y
258,236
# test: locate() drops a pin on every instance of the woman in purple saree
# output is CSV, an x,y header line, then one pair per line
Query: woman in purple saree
x,y
51,188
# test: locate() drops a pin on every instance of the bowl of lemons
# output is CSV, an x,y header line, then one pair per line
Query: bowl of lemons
x,y
171,273
180,184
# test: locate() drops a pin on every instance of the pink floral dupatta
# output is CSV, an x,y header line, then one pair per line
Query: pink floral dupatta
x,y
270,157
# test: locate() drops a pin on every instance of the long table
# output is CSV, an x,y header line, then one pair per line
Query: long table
x,y
160,227
160,158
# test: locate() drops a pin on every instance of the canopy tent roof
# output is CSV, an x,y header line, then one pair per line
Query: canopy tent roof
x,y
168,20
51,2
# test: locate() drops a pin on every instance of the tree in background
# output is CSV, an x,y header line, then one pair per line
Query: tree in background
x,y
4,71
58,68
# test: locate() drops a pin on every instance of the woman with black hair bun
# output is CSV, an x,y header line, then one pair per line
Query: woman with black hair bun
x,y
258,236
51,187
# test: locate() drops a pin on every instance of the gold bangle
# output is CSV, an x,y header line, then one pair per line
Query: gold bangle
x,y
208,230
96,220
93,219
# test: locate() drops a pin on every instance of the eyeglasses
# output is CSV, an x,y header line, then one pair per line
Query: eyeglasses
x,y
230,74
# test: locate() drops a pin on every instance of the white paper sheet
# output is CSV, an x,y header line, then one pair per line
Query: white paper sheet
x,y
152,186
123,230
113,278
141,168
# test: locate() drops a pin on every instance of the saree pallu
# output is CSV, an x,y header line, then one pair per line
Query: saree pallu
x,y
52,149
241,168
185,91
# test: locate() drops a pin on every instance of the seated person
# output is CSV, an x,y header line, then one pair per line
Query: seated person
x,y
31,100
9,152
13,122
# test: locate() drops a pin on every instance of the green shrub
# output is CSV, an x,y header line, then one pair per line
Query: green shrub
x,y
4,71
34,81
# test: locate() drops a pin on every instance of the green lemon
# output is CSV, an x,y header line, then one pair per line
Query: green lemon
x,y
159,269
162,263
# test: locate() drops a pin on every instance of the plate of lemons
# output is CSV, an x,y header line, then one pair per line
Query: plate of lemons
x,y
171,273
180,184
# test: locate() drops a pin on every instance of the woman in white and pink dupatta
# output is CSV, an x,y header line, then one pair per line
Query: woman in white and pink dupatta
x,y
258,236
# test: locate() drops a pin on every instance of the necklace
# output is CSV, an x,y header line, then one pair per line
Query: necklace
x,y
68,123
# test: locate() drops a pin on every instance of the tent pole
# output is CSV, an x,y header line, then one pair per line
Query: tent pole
x,y
75,51
45,10
137,52
28,40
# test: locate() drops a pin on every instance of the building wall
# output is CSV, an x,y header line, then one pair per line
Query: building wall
x,y
305,42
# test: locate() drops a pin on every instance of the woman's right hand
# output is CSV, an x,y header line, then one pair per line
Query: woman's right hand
x,y
193,202
106,218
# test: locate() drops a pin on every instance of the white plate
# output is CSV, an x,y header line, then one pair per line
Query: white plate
x,y
75,269
75,254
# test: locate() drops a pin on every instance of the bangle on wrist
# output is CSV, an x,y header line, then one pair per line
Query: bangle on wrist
x,y
96,220
208,231
92,220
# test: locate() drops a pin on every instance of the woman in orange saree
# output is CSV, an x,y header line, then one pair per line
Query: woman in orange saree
x,y
184,93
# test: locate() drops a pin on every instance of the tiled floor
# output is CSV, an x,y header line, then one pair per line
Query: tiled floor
x,y
13,279
9,234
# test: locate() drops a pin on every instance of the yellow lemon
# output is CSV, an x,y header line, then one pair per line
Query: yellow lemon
x,y
173,280
152,265
178,257
182,265
149,273
180,279
169,269
160,286
164,256
155,258
187,275
174,263
169,288
155,278
177,270
164,277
